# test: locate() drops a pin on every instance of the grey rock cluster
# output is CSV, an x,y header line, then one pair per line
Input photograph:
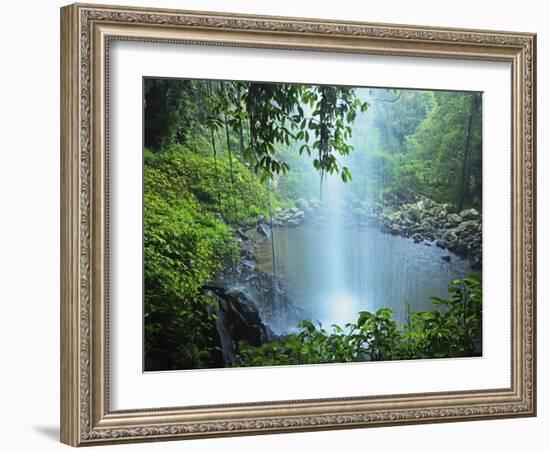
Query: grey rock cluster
x,y
303,211
428,221
423,221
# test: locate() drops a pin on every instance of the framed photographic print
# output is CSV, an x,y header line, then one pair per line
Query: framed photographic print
x,y
276,224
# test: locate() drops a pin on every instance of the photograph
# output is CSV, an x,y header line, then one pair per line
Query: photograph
x,y
284,223
297,224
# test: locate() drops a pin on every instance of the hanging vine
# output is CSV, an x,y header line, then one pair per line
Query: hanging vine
x,y
211,125
225,103
334,110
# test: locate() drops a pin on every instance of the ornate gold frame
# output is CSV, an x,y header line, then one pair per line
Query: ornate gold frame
x,y
86,31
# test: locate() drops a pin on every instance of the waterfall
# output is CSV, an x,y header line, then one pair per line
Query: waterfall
x,y
336,260
269,191
276,292
338,304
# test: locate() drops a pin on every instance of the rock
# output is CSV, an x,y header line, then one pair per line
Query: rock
x,y
466,226
242,235
246,318
430,222
454,219
237,320
475,262
446,258
442,216
460,248
302,203
429,236
374,208
248,263
264,229
359,212
413,214
309,214
428,204
314,203
450,240
469,214
424,221
356,204
421,228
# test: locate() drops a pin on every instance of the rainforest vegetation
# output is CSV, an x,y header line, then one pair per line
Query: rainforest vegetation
x,y
231,166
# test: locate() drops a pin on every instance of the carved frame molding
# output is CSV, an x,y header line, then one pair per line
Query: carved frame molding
x,y
86,31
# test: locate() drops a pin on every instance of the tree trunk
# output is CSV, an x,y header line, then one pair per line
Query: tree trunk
x,y
323,139
464,176
230,166
241,134
213,141
231,175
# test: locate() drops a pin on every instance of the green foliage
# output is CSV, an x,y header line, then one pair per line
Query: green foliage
x,y
452,329
419,142
301,181
263,115
382,175
185,244
170,112
334,110
293,186
210,148
397,115
183,247
269,108
444,153
234,199
380,137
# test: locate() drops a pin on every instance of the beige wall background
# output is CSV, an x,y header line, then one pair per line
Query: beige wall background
x,y
29,223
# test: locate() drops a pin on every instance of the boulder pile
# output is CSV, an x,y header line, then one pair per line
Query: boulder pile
x,y
303,211
428,221
423,221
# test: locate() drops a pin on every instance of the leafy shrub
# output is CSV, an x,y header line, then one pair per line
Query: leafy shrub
x,y
452,329
183,247
228,190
